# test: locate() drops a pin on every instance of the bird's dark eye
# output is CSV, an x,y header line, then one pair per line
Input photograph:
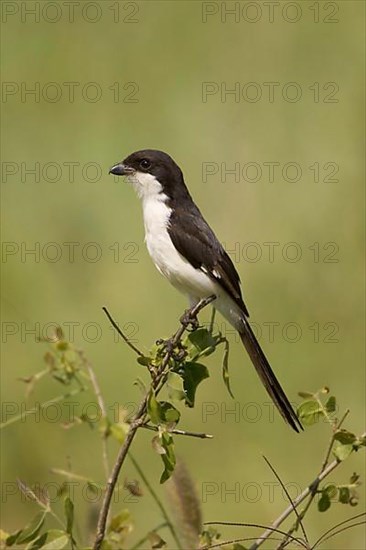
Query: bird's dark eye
x,y
145,164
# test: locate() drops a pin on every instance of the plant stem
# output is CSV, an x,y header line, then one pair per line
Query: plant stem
x,y
314,486
295,504
157,500
144,539
180,432
140,416
111,483
41,406
98,395
116,327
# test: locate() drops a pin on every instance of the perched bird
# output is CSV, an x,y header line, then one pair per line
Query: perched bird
x,y
186,251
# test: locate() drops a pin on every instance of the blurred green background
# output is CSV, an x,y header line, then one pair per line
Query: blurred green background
x,y
168,50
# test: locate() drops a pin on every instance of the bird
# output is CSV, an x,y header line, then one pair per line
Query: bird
x,y
187,252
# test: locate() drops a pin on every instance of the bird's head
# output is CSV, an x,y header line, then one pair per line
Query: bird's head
x,y
151,172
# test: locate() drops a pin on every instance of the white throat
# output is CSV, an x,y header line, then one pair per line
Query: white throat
x,y
145,185
155,210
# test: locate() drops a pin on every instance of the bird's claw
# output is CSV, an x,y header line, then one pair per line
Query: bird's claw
x,y
188,319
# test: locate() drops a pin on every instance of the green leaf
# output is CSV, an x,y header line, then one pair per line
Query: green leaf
x,y
225,368
157,353
161,412
69,514
11,539
31,531
306,395
144,360
104,426
199,343
341,452
345,437
58,543
175,387
354,479
331,404
120,521
209,536
169,459
169,413
154,409
309,412
92,487
237,546
157,446
38,542
62,346
117,431
192,376
344,495
156,542
331,490
324,502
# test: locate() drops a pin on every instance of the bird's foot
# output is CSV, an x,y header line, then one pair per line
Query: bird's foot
x,y
189,319
177,351
167,344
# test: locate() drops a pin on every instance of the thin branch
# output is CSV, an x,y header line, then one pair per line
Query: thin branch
x,y
257,525
314,486
308,491
98,395
157,500
145,538
71,475
320,539
343,529
189,317
336,427
29,493
112,480
179,432
117,328
288,496
232,541
41,406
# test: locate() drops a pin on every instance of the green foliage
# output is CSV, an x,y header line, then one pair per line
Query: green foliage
x,y
345,494
343,442
52,539
69,513
120,526
192,375
314,409
180,371
168,456
30,531
63,359
209,536
310,412
185,364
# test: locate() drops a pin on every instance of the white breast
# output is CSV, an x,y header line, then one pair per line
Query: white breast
x,y
192,282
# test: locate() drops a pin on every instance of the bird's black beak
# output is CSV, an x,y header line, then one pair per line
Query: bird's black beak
x,y
121,170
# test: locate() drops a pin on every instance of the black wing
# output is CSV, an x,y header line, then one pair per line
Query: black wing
x,y
197,243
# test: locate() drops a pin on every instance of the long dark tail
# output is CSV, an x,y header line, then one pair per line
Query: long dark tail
x,y
268,377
